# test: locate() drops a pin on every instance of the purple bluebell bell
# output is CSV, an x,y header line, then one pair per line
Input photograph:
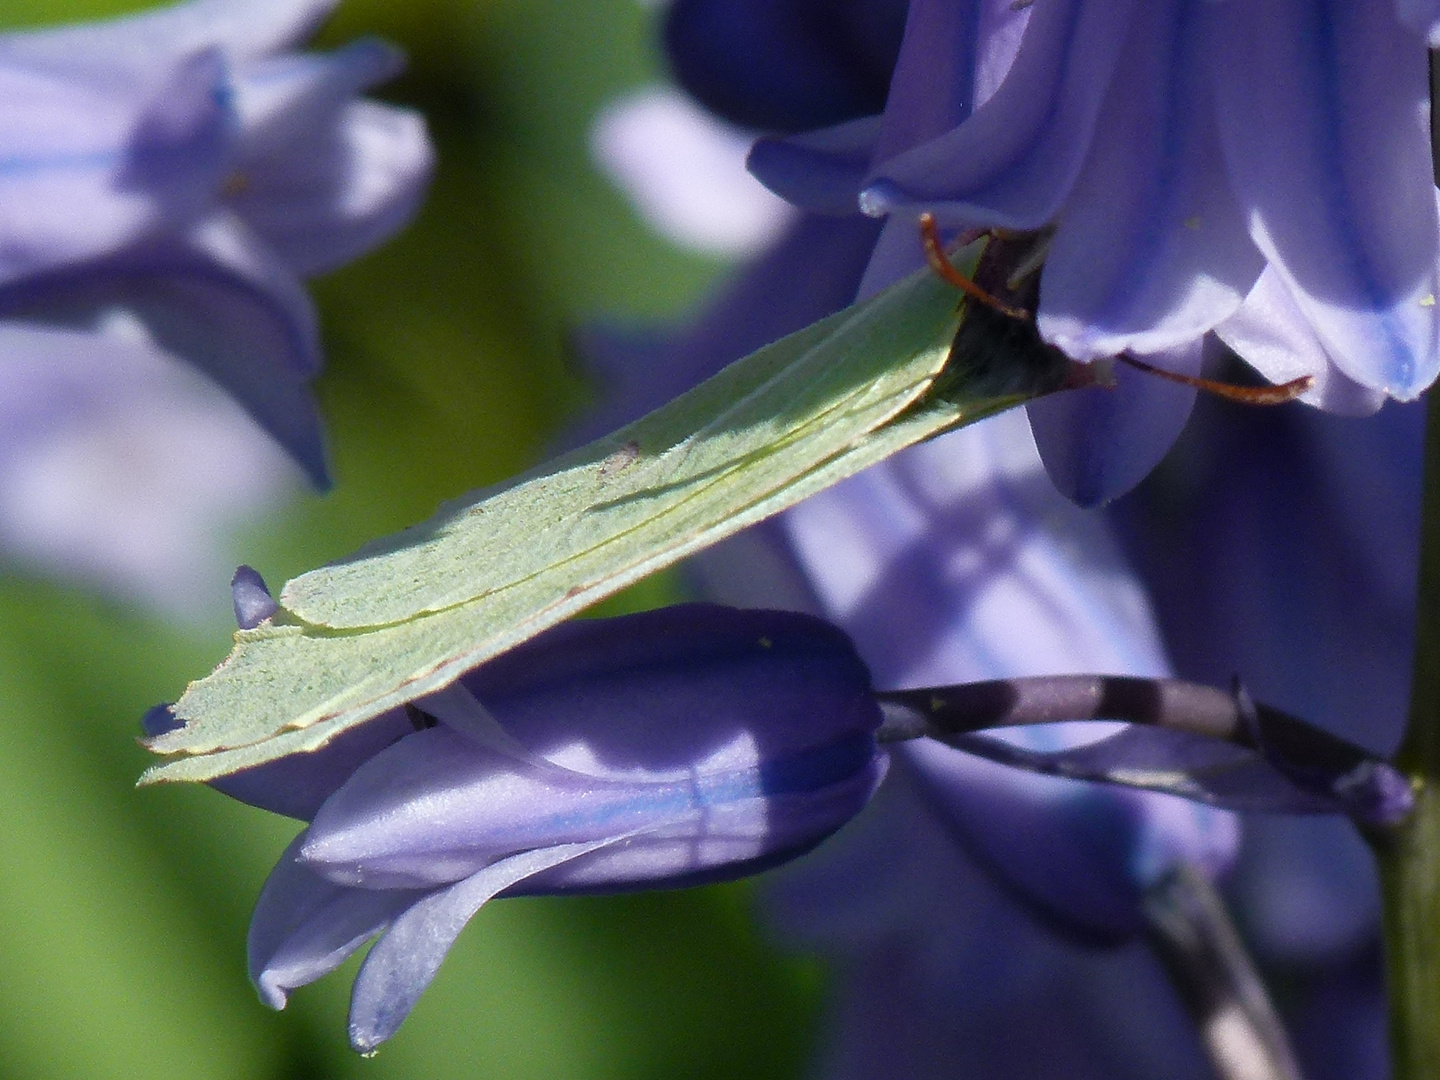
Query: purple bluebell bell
x,y
1262,173
167,180
685,745
785,67
940,973
956,561
1289,543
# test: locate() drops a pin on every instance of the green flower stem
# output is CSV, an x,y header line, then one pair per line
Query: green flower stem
x,y
1409,856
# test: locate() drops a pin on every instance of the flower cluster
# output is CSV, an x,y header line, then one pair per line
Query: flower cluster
x,y
1262,171
168,181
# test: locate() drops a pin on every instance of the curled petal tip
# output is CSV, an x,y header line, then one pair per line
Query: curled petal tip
x,y
271,993
252,599
1377,793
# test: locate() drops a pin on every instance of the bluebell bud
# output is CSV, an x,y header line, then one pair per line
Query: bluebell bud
x,y
686,745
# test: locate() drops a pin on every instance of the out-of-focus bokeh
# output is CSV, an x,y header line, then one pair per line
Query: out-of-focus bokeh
x,y
122,946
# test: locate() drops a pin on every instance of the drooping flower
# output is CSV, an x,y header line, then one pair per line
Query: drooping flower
x,y
939,973
1261,170
1289,544
168,180
680,746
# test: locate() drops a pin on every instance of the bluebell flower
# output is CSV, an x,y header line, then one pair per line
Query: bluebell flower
x,y
928,559
1289,544
785,67
939,973
1262,171
167,180
680,746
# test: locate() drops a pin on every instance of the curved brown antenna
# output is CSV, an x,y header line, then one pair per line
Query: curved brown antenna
x,y
941,264
1245,395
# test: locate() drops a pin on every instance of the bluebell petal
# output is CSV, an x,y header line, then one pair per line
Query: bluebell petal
x,y
787,683
785,65
89,168
1307,889
321,177
1000,29
404,961
1421,15
217,299
1014,161
138,44
1098,443
1152,249
1087,860
298,785
941,973
957,560
897,254
305,927
436,807
1339,1023
1322,107
1272,335
934,85
820,171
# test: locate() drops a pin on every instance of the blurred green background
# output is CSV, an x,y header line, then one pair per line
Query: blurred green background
x,y
122,946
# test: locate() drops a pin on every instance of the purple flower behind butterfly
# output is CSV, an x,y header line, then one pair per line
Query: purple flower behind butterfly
x,y
1261,171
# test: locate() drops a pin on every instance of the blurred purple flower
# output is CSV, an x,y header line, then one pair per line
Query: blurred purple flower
x,y
956,561
940,973
1262,171
675,747
784,67
1288,543
166,181
684,171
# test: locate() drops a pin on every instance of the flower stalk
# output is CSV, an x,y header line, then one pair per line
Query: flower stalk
x,y
1409,856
